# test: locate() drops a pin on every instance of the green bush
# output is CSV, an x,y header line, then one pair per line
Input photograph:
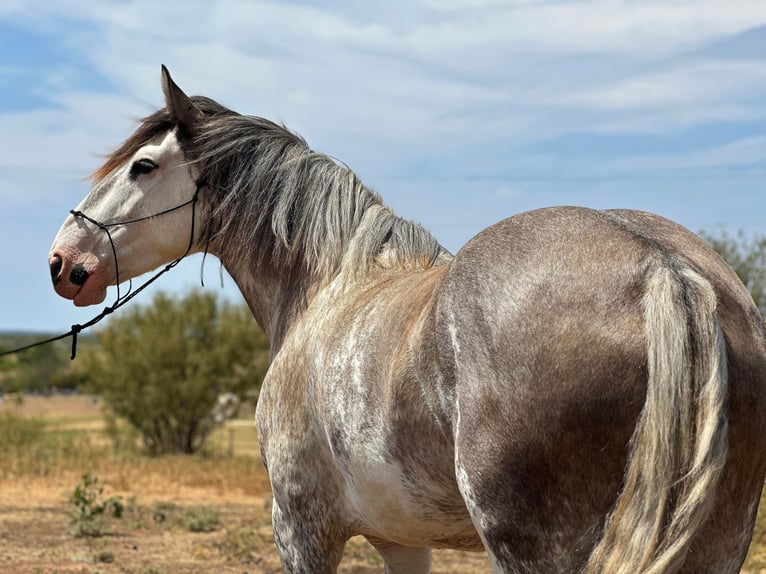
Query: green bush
x,y
163,366
89,507
40,369
747,256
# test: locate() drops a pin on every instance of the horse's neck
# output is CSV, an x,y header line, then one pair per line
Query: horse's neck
x,y
278,290
275,298
279,298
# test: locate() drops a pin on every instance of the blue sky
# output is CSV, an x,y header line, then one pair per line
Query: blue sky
x,y
458,112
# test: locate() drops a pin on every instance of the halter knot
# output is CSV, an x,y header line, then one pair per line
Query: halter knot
x,y
75,330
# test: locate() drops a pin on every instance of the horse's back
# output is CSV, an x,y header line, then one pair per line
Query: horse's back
x,y
543,318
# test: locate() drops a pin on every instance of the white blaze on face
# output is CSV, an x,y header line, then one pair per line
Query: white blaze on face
x,y
155,179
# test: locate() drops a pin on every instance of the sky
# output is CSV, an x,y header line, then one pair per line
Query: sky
x,y
458,112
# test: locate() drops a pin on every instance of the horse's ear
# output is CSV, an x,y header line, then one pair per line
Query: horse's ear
x,y
180,106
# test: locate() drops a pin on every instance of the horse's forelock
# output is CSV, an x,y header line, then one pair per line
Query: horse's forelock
x,y
150,127
154,125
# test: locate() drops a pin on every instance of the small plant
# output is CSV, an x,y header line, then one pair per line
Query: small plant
x,y
162,511
200,519
90,506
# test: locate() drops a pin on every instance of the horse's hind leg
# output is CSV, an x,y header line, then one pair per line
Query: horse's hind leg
x,y
526,526
403,559
307,542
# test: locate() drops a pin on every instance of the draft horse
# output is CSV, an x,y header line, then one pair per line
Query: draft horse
x,y
574,391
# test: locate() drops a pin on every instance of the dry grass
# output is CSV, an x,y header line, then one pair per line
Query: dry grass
x,y
53,408
76,442
36,483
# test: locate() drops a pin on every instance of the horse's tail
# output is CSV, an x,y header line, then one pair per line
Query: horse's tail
x,y
679,446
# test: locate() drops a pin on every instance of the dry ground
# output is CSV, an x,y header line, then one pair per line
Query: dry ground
x,y
35,530
34,536
35,533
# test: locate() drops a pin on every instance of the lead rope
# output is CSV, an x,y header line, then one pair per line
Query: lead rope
x,y
120,300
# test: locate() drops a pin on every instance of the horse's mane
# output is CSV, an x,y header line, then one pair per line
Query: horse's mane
x,y
271,199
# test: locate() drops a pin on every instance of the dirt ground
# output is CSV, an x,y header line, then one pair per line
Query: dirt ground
x,y
35,536
35,531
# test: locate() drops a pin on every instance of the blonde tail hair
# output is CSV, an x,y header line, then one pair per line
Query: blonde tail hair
x,y
679,446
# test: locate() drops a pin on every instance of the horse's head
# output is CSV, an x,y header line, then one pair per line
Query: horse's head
x,y
139,212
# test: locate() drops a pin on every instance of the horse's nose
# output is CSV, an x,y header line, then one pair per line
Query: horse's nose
x,y
55,264
78,274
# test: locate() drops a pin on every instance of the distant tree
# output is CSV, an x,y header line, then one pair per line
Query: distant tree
x,y
747,256
38,369
163,366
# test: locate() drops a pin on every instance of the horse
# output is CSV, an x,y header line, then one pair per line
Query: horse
x,y
573,391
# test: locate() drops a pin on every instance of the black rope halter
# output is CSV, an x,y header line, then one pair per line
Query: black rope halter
x,y
121,300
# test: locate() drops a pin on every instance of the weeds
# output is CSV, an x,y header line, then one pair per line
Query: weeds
x,y
16,430
27,447
90,506
200,519
42,446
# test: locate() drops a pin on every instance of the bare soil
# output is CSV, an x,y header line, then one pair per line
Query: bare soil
x,y
35,535
35,530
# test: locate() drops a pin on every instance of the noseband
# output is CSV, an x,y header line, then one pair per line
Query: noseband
x,y
106,226
121,299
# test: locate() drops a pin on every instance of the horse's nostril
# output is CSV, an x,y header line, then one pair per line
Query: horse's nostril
x,y
78,274
56,264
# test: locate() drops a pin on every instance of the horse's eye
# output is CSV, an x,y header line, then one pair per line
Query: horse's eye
x,y
142,166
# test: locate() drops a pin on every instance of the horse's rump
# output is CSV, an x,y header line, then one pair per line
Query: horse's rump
x,y
549,341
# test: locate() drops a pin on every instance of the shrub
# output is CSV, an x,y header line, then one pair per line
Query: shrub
x,y
89,507
163,367
747,256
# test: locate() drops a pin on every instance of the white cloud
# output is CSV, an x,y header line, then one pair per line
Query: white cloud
x,y
691,83
485,38
740,153
63,138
